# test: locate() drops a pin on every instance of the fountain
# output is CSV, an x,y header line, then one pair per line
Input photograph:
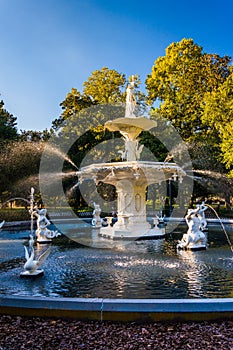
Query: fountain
x,y
131,177
152,268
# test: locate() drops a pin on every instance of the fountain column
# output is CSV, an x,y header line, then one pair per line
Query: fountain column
x,y
131,206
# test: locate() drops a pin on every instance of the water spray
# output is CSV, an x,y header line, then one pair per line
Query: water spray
x,y
227,237
31,207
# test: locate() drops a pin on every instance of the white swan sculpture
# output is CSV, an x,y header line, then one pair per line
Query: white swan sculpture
x,y
31,266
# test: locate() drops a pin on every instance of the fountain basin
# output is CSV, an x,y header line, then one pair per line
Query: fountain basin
x,y
147,280
151,172
151,269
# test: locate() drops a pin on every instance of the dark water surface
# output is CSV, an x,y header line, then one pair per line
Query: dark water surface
x,y
142,269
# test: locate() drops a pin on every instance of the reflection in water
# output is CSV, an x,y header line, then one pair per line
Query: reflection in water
x,y
195,273
143,269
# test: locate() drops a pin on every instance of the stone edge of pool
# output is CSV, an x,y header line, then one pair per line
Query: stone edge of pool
x,y
128,310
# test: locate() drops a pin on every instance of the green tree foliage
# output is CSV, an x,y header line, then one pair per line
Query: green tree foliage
x,y
194,91
180,80
226,146
8,129
102,87
73,103
218,117
32,135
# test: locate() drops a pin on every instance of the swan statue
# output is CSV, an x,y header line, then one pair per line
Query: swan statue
x,y
32,264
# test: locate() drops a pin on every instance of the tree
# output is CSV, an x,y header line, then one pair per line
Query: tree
x,y
32,135
226,146
102,87
187,82
73,103
8,129
82,119
180,80
218,117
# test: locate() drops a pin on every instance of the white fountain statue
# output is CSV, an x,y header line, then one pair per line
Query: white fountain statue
x,y
194,239
201,216
96,221
43,234
31,267
131,176
130,99
159,219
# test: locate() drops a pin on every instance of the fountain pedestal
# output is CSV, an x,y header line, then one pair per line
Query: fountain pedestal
x,y
131,183
132,232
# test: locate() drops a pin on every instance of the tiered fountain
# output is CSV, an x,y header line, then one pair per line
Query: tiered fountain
x,y
131,176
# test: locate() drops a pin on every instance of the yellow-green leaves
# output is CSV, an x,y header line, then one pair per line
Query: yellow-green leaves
x,y
180,80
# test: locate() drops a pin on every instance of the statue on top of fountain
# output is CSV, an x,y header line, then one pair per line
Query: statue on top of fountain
x,y
130,99
194,238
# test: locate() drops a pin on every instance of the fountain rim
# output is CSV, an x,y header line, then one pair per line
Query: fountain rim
x,y
123,310
125,164
138,122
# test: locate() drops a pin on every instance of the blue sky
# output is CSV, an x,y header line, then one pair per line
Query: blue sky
x,y
50,46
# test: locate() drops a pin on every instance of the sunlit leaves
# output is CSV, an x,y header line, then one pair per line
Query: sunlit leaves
x,y
218,116
180,80
104,86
